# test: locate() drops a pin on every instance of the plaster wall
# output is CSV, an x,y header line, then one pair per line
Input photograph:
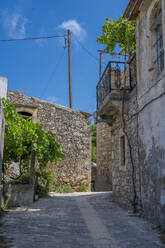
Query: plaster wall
x,y
3,86
151,100
145,128
152,157
3,92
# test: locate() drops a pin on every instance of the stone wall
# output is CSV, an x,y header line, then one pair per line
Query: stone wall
x,y
18,195
104,172
71,130
126,175
121,177
3,92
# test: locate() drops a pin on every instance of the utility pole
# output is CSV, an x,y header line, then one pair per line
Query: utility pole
x,y
100,65
70,69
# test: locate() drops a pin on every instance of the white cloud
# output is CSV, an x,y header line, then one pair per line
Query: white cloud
x,y
14,24
75,28
52,99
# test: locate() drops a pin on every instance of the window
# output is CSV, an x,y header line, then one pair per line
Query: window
x,y
25,115
157,39
160,50
122,149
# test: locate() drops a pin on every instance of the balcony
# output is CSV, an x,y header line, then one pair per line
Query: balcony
x,y
117,76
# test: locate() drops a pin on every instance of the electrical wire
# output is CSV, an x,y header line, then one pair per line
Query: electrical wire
x,y
34,38
52,74
85,49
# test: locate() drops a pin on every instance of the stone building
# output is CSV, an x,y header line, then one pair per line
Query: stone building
x,y
71,130
103,177
3,92
136,117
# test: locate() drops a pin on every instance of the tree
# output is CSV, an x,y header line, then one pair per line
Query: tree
x,y
22,136
119,34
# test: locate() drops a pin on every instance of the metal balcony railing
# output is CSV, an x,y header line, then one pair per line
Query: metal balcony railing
x,y
116,76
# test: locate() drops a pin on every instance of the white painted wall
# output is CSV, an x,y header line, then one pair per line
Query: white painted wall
x,y
3,93
3,87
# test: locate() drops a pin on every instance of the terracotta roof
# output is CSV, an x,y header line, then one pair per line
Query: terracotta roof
x,y
132,9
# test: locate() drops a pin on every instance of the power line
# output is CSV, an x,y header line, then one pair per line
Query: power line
x,y
70,69
85,49
52,74
35,38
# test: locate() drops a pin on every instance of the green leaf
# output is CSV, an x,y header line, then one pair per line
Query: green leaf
x,y
119,32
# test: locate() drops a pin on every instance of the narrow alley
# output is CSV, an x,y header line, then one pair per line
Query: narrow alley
x,y
88,220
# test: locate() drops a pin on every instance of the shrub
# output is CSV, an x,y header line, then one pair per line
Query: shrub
x,y
84,187
64,188
46,181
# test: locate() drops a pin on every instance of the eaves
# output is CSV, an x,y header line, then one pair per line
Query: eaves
x,y
132,9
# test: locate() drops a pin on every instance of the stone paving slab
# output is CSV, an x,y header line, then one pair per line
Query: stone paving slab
x,y
77,220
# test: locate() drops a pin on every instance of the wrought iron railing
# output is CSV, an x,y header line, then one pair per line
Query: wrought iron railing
x,y
116,76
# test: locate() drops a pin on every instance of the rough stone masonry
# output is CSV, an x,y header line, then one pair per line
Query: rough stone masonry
x,y
104,170
71,130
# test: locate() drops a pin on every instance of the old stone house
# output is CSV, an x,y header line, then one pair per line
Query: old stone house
x,y
3,92
131,118
71,130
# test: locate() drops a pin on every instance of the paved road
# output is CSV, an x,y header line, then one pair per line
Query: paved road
x,y
88,220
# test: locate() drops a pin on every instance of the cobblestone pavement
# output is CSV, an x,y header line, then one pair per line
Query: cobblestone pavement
x,y
88,220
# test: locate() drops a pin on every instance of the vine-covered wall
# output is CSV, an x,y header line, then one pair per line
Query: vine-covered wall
x,y
71,130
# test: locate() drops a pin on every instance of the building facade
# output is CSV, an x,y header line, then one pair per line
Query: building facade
x,y
135,109
3,92
70,129
103,177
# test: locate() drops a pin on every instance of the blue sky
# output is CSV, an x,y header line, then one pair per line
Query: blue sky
x,y
39,68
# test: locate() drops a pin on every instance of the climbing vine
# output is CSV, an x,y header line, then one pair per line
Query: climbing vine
x,y
22,136
119,34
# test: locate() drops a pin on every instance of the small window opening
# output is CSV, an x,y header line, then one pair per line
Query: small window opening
x,y
122,149
25,115
160,50
157,36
